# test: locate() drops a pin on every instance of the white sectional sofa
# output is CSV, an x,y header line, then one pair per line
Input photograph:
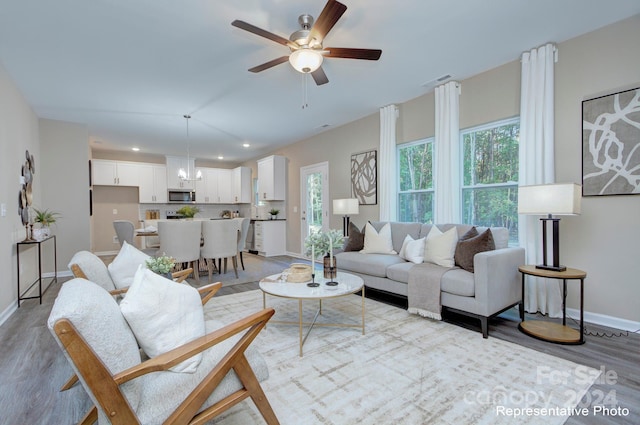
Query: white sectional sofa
x,y
492,288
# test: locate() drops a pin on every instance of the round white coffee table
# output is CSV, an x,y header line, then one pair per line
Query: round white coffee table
x,y
347,284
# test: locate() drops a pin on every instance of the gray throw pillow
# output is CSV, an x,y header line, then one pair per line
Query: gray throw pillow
x,y
356,238
469,245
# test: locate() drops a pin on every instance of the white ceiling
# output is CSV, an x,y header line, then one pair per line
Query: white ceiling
x,y
130,69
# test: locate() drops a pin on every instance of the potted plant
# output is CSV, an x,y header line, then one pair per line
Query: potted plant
x,y
46,218
318,243
188,211
161,265
274,213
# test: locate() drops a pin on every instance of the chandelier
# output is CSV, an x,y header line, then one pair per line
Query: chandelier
x,y
188,176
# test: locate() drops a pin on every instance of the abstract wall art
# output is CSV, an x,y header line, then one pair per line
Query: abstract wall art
x,y
364,177
611,144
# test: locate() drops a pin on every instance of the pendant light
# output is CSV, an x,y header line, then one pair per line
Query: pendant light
x,y
188,176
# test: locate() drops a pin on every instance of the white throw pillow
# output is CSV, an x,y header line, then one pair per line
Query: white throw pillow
x,y
412,250
377,242
123,268
163,315
440,247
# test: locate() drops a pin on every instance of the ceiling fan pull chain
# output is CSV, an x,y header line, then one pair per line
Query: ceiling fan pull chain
x,y
304,92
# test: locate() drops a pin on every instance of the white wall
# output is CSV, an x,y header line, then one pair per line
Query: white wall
x,y
18,132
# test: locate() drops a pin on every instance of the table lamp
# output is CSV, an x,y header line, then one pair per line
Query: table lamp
x,y
550,199
345,207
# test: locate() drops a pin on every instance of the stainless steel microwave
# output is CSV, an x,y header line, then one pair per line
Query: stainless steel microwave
x,y
182,196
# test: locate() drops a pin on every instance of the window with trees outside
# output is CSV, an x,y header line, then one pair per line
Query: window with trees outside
x,y
490,175
415,181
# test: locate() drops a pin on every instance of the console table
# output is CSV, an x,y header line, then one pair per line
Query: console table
x,y
550,331
38,281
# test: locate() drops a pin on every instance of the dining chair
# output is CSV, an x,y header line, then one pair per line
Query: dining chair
x,y
124,231
242,241
181,240
220,241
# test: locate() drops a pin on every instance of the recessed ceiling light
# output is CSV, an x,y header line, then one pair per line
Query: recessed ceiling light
x,y
135,149
221,157
245,145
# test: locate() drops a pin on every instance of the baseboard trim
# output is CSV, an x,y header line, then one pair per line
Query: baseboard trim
x,y
8,312
604,320
66,273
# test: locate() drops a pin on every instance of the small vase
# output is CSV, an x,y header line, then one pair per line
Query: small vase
x,y
327,267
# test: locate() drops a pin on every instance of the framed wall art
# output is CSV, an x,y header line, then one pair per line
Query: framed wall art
x,y
611,144
364,177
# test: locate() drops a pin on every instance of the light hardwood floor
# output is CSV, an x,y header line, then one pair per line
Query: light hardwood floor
x,y
32,367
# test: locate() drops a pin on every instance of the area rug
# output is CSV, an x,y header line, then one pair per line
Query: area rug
x,y
256,267
405,370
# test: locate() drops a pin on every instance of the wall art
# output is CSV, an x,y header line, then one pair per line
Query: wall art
x,y
611,144
364,177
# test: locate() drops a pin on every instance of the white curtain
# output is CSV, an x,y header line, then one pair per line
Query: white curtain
x,y
447,154
387,186
537,167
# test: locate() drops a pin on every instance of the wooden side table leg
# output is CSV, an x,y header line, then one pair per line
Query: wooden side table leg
x,y
522,301
564,302
582,311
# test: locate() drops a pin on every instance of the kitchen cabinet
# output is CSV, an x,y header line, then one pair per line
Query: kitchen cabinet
x,y
272,178
215,186
270,237
153,184
114,173
174,164
241,185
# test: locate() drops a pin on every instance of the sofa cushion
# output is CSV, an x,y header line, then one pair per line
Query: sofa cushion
x,y
164,315
467,248
399,231
440,247
378,242
458,282
412,250
371,264
399,272
355,241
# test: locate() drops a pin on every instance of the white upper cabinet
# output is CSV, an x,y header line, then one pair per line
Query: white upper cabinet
x,y
215,186
153,183
224,186
241,185
114,173
272,178
174,164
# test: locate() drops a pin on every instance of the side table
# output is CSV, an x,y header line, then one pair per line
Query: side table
x,y
549,331
39,279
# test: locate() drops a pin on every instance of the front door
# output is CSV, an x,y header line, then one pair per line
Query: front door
x,y
314,200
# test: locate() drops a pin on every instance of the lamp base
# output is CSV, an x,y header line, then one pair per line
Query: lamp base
x,y
553,268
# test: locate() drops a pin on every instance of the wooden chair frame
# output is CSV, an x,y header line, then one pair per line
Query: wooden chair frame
x,y
106,387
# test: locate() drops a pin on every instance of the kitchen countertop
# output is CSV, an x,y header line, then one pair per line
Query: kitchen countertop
x,y
268,219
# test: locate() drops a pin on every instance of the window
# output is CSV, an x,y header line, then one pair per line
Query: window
x,y
490,176
415,191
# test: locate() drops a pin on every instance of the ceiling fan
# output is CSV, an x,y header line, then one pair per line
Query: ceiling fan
x,y
307,51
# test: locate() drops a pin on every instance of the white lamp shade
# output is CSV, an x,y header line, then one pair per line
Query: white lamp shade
x,y
543,199
305,60
346,206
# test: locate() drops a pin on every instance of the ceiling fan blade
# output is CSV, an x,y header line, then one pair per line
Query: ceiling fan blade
x,y
332,11
347,53
264,33
319,77
269,64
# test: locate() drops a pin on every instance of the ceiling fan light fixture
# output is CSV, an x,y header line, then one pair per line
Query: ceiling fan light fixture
x,y
306,60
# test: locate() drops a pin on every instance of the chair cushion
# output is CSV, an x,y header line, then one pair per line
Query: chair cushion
x,y
355,242
412,250
93,268
377,242
370,264
163,315
440,247
123,268
458,282
162,392
96,315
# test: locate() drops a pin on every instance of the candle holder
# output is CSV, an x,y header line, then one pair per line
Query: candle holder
x,y
332,276
313,283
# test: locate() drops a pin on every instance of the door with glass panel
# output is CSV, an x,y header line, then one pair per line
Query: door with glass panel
x,y
314,200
